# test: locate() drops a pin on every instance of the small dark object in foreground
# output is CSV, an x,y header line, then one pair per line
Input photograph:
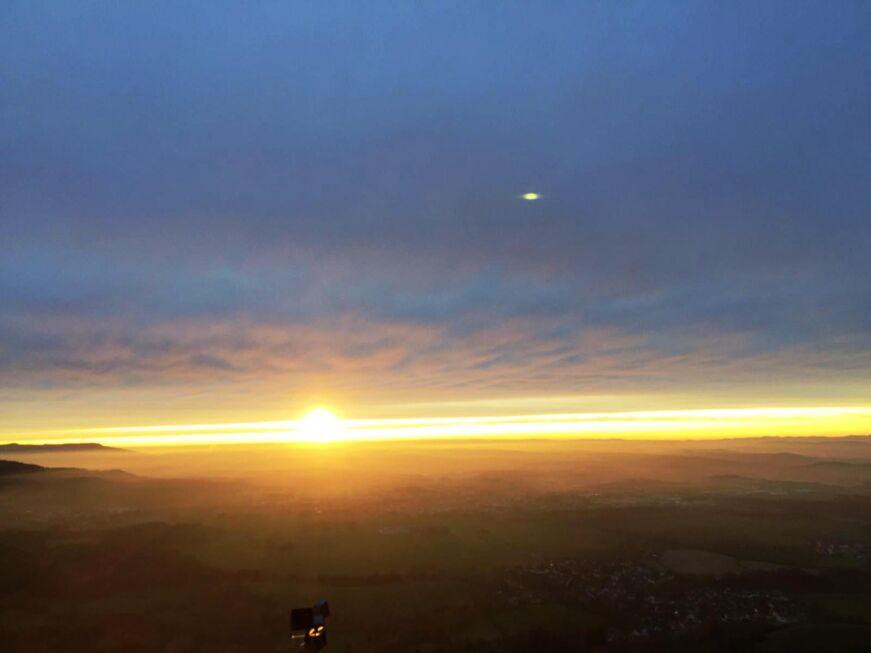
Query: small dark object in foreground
x,y
310,626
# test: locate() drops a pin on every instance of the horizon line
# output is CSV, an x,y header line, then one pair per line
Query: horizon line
x,y
658,425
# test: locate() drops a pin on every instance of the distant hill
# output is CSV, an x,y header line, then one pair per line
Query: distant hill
x,y
840,464
13,467
784,457
91,447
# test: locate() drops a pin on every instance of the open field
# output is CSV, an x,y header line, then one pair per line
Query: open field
x,y
441,546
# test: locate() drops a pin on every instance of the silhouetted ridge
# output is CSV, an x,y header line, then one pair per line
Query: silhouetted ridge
x,y
14,467
14,447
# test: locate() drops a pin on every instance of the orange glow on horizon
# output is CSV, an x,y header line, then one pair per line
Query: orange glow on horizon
x,y
320,425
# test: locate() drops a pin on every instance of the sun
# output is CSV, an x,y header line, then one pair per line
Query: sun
x,y
319,425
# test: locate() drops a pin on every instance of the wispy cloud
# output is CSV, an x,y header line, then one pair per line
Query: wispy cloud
x,y
193,199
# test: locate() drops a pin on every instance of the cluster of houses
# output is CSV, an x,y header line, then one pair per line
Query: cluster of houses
x,y
646,599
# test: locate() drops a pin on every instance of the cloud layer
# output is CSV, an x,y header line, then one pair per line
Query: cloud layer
x,y
198,194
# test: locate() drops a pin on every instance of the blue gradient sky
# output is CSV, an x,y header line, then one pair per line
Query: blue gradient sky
x,y
214,209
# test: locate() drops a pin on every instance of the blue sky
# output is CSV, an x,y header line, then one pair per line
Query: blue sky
x,y
299,198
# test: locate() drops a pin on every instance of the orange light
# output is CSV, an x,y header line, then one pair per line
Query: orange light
x,y
322,426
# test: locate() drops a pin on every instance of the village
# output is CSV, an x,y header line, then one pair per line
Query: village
x,y
645,600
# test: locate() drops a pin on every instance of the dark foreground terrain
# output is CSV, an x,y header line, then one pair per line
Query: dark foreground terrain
x,y
754,545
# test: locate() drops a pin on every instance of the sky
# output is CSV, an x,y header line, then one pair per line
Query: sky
x,y
223,212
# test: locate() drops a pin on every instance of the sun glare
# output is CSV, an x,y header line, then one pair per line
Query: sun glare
x,y
319,425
